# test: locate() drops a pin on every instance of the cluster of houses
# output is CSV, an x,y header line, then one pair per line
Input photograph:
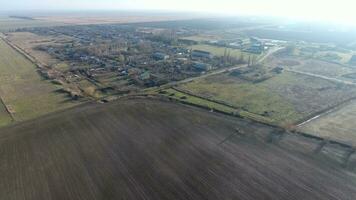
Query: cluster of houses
x,y
140,56
251,45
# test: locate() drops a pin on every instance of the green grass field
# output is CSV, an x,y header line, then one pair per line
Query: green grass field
x,y
183,97
23,89
257,99
198,101
5,118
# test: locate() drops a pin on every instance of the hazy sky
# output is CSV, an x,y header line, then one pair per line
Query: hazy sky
x,y
335,10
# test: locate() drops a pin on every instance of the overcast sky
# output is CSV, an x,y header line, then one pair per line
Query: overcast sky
x,y
335,10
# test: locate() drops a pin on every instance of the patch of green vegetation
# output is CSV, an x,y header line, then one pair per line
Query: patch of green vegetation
x,y
62,66
183,97
90,89
197,101
4,116
24,90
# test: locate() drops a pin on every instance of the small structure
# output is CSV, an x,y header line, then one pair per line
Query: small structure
x,y
256,46
160,56
201,54
201,66
187,41
236,45
277,70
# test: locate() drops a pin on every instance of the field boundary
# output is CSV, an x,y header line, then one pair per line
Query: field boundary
x,y
324,112
205,98
237,111
7,109
276,136
282,130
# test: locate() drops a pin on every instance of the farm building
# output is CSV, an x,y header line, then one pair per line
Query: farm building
x,y
201,54
160,56
201,66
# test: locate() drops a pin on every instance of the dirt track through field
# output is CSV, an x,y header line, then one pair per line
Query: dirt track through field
x,y
322,77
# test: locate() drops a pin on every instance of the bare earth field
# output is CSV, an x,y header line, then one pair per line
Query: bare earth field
x,y
84,20
23,90
62,19
10,24
149,149
336,125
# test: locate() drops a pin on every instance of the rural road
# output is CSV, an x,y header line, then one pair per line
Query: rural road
x,y
269,53
321,76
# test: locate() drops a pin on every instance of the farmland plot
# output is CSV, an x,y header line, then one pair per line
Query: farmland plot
x,y
146,149
23,89
5,118
337,125
285,98
10,24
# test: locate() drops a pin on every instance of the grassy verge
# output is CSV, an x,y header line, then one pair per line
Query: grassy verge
x,y
201,102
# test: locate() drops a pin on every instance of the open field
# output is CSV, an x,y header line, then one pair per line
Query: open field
x,y
180,96
23,89
5,117
324,68
10,24
28,42
202,38
61,19
336,125
335,56
317,36
114,19
285,98
145,149
208,103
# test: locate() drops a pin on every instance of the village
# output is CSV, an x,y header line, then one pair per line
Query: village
x,y
126,58
100,105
